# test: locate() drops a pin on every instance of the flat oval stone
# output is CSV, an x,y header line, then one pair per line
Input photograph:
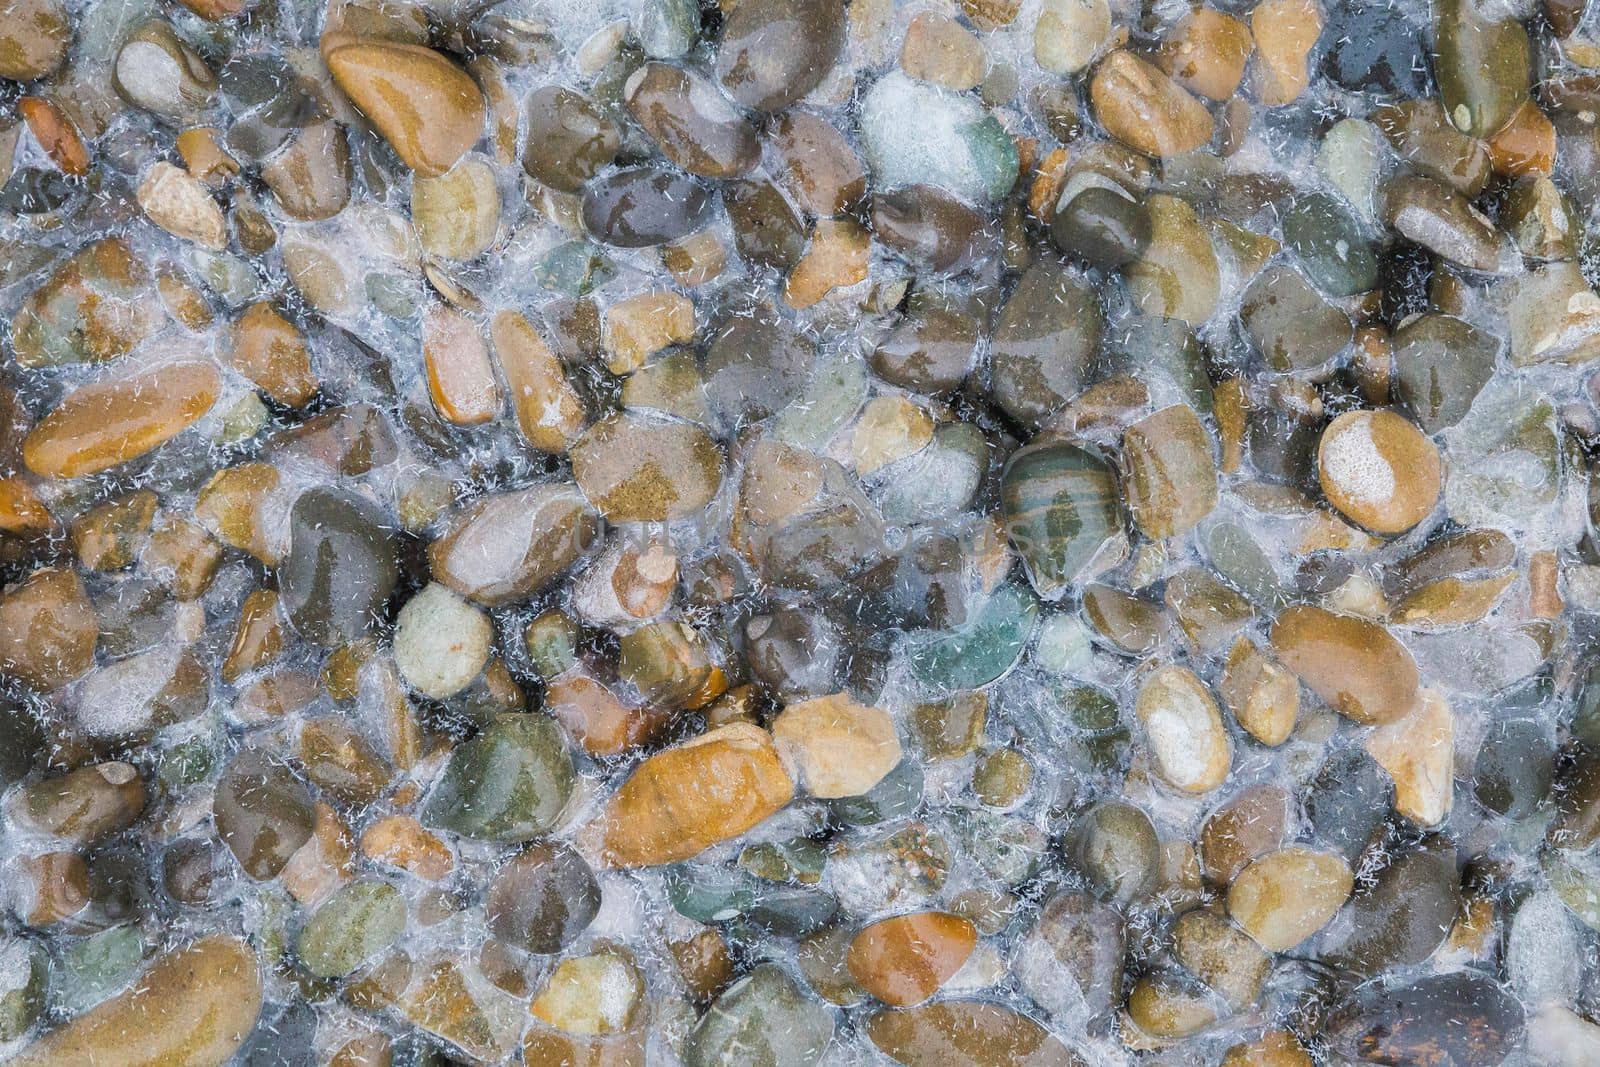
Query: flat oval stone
x,y
1334,251
683,800
510,783
932,348
544,899
1184,727
354,925
1354,664
262,811
1070,963
764,1019
1047,335
1464,1018
193,1007
1284,897
692,123
639,468
930,227
1399,918
1114,844
1061,510
967,1033
570,139
113,420
773,52
1440,219
427,108
1379,470
1291,325
1104,225
637,207
507,546
457,214
340,568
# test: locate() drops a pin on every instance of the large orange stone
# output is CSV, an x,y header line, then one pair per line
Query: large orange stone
x,y
905,959
681,801
108,422
427,108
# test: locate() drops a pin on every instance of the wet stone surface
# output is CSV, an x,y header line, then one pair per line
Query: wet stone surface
x,y
793,533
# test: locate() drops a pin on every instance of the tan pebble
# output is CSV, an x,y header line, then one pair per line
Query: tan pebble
x,y
549,412
1379,470
837,258
836,747
183,206
1285,32
1262,695
48,629
1353,664
107,422
639,326
594,994
1418,751
890,428
1544,593
1286,896
400,841
685,799
457,214
940,50
1184,729
1146,110
1206,52
192,1007
204,156
270,351
461,379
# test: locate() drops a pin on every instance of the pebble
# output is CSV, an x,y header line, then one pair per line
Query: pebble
x,y
49,629
1379,470
940,50
774,52
1285,32
272,353
441,642
34,37
637,207
1354,664
691,122
904,960
182,206
1483,64
570,139
191,1008
966,1033
429,110
683,800
1185,731
634,468
836,747
340,567
1206,52
1145,109
1169,476
765,1019
505,547
96,306
1284,897
1070,33
109,421
457,214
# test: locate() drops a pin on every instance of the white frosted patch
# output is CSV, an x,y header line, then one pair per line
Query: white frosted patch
x,y
493,547
1176,730
115,700
1351,460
